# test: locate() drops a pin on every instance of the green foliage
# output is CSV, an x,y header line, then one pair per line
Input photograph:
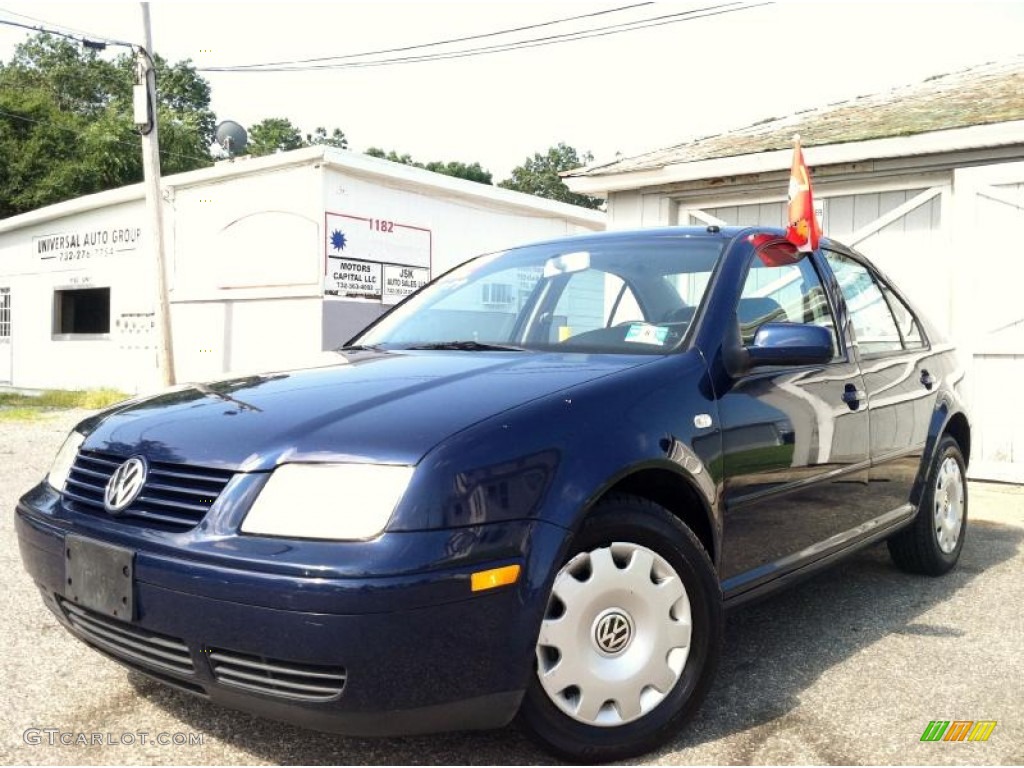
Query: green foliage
x,y
66,125
15,406
63,398
539,175
319,137
274,134
472,172
393,156
20,414
185,119
279,134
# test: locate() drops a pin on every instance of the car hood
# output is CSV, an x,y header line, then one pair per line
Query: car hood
x,y
389,407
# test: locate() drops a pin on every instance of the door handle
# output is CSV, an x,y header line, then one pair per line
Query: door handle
x,y
852,396
927,379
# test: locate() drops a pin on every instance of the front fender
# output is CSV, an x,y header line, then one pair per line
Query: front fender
x,y
553,458
679,481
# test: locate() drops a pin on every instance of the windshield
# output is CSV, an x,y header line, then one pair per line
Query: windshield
x,y
618,296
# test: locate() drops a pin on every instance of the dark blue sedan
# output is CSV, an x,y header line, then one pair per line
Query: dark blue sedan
x,y
531,488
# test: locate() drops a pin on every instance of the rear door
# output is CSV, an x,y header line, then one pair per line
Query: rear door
x,y
795,439
900,372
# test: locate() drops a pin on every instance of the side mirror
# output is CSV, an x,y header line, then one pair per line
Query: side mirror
x,y
790,344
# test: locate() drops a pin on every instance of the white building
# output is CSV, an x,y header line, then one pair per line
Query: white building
x,y
927,180
270,261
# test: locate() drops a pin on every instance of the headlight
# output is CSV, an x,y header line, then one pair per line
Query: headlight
x,y
342,502
64,460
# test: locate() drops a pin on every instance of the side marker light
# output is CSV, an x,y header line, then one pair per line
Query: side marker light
x,y
495,577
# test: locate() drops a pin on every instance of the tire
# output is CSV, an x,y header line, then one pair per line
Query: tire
x,y
617,609
931,545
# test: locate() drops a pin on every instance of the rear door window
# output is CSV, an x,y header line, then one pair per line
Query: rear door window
x,y
873,321
906,323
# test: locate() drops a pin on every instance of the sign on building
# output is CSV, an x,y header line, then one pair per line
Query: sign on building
x,y
374,259
86,243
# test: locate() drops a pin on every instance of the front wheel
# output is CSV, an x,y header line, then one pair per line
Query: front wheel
x,y
931,544
630,639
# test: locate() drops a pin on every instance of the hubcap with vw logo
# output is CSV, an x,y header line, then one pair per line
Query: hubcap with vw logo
x,y
615,636
125,485
613,629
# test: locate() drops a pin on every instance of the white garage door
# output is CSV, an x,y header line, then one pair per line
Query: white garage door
x,y
988,302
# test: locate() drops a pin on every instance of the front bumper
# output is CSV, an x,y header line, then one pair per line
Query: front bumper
x,y
405,654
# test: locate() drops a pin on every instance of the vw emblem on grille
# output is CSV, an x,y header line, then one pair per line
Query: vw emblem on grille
x,y
125,485
612,631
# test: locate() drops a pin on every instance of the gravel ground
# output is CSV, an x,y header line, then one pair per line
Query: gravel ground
x,y
846,668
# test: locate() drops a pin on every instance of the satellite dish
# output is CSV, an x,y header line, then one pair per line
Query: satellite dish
x,y
232,137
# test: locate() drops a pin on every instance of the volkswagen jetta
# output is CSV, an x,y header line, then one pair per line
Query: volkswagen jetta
x,y
531,488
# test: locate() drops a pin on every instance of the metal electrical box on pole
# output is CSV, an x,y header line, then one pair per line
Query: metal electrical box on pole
x,y
146,79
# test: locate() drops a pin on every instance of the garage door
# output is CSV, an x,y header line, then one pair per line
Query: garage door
x,y
989,210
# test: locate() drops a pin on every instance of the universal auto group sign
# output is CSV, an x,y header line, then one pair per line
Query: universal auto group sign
x,y
374,259
86,242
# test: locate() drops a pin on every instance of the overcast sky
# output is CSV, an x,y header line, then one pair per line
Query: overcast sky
x,y
621,93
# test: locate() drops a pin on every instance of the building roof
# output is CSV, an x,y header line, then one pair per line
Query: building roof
x,y
376,169
982,95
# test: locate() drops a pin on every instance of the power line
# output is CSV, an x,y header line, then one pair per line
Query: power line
x,y
614,29
119,142
444,42
497,48
63,27
95,42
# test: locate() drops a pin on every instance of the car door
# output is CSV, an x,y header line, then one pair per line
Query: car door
x,y
901,384
795,439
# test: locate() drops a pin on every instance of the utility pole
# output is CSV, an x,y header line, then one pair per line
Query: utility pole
x,y
145,116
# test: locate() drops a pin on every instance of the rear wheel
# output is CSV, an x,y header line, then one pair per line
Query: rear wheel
x,y
629,643
932,543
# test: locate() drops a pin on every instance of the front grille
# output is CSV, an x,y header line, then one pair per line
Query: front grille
x,y
175,497
287,679
129,642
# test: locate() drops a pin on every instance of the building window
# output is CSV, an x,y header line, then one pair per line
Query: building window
x,y
497,293
5,313
81,311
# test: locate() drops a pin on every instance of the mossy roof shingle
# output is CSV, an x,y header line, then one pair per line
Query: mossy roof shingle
x,y
990,93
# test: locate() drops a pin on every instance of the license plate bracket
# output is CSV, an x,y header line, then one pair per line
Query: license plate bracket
x,y
100,576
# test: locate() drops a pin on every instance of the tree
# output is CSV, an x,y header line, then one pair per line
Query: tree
x,y
187,123
66,122
274,134
471,172
391,155
278,134
319,137
540,176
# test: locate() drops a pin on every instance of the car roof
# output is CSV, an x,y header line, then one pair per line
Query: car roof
x,y
655,233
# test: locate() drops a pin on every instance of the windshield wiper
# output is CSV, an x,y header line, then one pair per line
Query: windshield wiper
x,y
211,392
467,346
360,348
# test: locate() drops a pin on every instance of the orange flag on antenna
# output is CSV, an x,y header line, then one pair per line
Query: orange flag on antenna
x,y
804,230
